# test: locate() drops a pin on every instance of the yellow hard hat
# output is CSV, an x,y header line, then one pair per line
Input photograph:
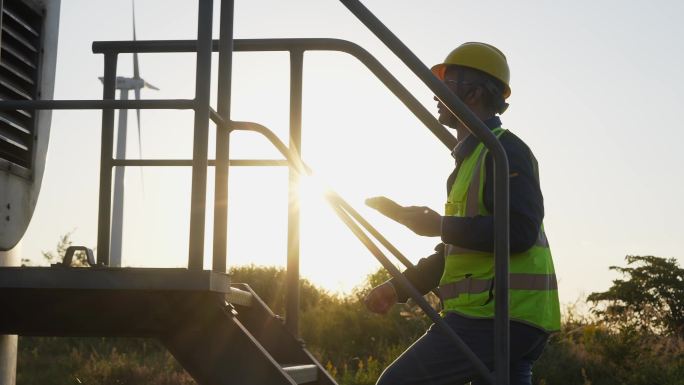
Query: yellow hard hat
x,y
479,56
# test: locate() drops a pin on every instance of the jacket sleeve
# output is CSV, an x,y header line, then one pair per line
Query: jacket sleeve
x,y
526,205
424,276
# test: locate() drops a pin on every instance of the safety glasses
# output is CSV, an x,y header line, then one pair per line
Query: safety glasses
x,y
439,71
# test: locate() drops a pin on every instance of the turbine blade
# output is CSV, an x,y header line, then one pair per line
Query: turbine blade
x,y
136,75
148,85
136,67
133,10
137,112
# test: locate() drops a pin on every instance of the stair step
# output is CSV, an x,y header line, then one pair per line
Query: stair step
x,y
302,374
239,297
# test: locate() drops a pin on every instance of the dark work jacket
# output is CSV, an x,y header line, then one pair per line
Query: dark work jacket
x,y
477,233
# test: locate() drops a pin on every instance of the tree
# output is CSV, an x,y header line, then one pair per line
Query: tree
x,y
650,298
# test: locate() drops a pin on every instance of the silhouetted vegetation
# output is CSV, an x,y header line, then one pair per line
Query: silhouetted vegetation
x,y
632,336
650,299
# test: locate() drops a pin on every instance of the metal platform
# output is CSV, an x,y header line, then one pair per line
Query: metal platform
x,y
102,301
221,333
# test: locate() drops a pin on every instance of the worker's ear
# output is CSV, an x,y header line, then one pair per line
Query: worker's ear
x,y
474,95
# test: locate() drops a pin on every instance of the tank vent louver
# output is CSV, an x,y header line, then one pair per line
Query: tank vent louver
x,y
19,78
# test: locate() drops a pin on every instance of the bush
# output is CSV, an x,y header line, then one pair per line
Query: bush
x,y
593,354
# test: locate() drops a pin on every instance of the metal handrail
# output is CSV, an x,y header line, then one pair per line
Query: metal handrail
x,y
352,219
295,161
501,183
296,44
149,104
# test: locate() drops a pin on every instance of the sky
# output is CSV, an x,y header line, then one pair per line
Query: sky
x,y
595,94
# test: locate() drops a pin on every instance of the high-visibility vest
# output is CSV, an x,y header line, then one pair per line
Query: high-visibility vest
x,y
467,284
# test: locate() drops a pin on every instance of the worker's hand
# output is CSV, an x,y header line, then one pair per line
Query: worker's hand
x,y
381,299
420,219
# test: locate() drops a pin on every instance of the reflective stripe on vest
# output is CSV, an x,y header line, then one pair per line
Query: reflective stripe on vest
x,y
451,249
516,281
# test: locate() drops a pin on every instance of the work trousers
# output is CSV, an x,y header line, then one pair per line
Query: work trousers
x,y
434,359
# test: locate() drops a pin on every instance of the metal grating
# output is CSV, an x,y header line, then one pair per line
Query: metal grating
x,y
20,49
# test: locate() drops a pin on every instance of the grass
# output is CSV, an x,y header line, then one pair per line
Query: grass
x,y
102,361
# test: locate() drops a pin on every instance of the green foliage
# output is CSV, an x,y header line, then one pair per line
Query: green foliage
x,y
269,283
650,299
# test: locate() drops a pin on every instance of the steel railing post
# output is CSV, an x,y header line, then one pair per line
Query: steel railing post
x,y
198,197
292,302
501,270
223,137
106,149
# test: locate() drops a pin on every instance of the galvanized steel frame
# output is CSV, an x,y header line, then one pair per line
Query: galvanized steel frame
x,y
226,45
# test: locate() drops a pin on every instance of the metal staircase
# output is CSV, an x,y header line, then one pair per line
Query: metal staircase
x,y
221,332
243,342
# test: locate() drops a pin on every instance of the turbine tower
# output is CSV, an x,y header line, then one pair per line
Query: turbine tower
x,y
124,85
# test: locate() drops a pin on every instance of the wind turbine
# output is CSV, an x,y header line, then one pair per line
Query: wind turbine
x,y
124,85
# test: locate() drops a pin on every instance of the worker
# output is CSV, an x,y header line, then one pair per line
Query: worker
x,y
462,267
